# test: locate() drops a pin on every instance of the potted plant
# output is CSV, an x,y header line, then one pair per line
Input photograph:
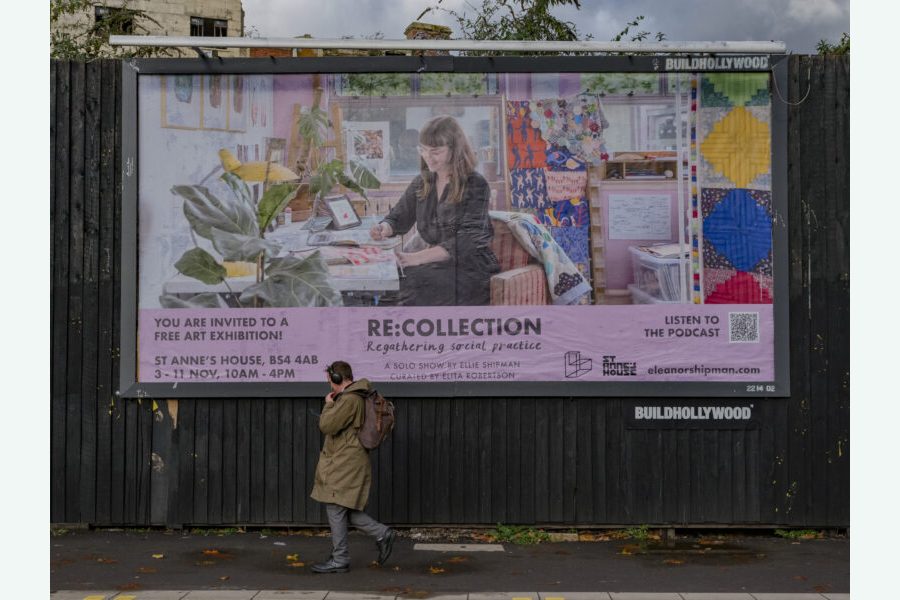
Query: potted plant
x,y
236,227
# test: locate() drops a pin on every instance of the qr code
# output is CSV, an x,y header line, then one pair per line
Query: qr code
x,y
743,327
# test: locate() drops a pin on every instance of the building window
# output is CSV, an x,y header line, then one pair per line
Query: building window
x,y
201,26
120,20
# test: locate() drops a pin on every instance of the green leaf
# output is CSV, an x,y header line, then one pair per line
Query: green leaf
x,y
363,176
292,281
200,264
242,247
205,212
273,202
240,189
205,300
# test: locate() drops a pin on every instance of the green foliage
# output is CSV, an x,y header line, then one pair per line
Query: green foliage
x,y
236,229
641,533
797,534
513,20
85,39
639,36
377,84
519,534
824,47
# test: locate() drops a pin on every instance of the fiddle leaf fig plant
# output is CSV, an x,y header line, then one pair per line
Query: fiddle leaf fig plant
x,y
236,229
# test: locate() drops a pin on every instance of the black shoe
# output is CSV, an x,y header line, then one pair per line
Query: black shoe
x,y
385,545
329,566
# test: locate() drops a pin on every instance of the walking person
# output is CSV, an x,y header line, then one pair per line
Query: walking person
x,y
344,473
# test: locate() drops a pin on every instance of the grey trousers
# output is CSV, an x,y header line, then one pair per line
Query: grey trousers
x,y
339,518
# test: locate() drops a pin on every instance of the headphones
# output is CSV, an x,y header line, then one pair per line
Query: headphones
x,y
336,378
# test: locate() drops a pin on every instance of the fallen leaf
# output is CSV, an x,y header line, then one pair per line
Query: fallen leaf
x,y
297,564
146,570
821,588
127,587
292,557
800,577
457,559
224,578
279,544
107,561
673,561
211,552
205,563
436,570
159,556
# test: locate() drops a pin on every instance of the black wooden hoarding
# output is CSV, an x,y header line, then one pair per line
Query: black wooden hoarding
x,y
540,460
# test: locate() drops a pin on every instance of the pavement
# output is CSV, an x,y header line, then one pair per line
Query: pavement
x,y
275,564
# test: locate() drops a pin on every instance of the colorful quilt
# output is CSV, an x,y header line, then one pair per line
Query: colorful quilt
x,y
735,181
566,282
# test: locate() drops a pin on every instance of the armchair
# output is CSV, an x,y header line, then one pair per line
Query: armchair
x,y
521,279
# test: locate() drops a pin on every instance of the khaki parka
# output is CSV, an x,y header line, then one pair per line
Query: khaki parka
x,y
344,473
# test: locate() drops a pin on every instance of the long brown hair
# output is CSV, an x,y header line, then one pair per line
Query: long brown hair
x,y
445,131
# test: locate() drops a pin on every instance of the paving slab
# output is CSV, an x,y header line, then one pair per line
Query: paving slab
x,y
82,595
221,595
837,596
358,596
504,596
644,596
153,595
574,595
716,596
291,595
787,596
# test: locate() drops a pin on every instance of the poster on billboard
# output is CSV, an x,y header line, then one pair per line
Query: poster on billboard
x,y
561,227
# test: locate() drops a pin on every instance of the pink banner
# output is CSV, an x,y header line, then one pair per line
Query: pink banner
x,y
684,342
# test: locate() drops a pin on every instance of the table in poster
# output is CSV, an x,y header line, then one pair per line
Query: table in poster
x,y
373,278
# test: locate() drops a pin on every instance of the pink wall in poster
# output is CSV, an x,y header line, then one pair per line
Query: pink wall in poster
x,y
290,90
619,271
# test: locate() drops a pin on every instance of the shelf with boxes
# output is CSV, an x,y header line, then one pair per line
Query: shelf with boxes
x,y
631,166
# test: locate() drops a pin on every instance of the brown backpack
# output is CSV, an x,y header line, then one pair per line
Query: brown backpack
x,y
378,420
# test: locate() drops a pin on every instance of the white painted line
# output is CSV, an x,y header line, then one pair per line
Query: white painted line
x,y
459,548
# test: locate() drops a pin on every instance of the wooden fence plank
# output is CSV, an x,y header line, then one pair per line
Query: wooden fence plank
x,y
244,481
74,319
215,462
89,291
285,459
528,445
230,442
584,501
440,462
107,379
499,461
542,460
201,461
470,458
60,294
298,460
485,463
570,458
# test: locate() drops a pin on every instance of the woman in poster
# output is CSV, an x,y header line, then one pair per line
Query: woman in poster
x,y
448,202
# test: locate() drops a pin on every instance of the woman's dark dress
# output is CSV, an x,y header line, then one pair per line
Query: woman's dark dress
x,y
463,230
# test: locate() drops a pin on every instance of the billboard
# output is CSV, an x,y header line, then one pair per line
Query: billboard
x,y
455,226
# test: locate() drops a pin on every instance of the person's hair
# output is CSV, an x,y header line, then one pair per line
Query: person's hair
x,y
445,131
343,369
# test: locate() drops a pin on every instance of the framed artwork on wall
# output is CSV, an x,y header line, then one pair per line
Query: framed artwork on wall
x,y
368,143
180,101
215,102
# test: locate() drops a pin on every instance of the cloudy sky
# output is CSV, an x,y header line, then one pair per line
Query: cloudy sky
x,y
798,23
